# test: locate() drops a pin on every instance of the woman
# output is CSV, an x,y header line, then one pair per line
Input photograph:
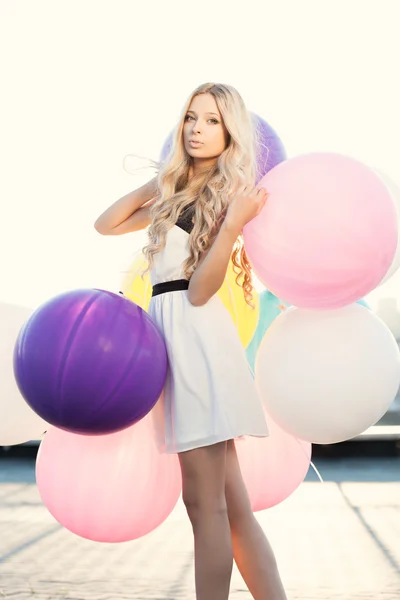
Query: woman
x,y
197,207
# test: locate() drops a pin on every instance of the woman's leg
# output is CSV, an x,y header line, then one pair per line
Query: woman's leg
x,y
203,492
251,549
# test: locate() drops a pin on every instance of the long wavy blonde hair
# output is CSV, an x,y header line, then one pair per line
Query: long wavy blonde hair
x,y
211,189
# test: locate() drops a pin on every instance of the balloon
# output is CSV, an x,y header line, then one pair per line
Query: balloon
x,y
231,294
326,376
18,422
363,302
135,288
269,148
270,308
90,361
394,190
109,488
327,234
387,309
272,467
244,317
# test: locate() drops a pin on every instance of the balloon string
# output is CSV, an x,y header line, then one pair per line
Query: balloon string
x,y
149,163
317,472
311,462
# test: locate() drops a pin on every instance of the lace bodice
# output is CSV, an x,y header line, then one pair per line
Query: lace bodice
x,y
185,220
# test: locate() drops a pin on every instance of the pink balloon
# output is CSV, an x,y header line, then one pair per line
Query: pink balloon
x,y
272,467
327,234
109,488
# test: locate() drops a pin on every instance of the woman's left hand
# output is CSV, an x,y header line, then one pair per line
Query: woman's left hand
x,y
246,204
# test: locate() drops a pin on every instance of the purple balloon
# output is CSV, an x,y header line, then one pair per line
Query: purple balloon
x,y
90,362
269,149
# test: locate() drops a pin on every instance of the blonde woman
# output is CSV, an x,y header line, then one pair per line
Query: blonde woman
x,y
196,209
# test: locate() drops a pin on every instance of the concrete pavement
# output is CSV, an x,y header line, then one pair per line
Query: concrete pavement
x,y
339,540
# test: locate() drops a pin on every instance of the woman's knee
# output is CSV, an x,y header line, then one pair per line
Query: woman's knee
x,y
201,503
203,482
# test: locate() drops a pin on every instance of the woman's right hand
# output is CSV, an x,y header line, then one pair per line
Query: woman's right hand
x,y
246,204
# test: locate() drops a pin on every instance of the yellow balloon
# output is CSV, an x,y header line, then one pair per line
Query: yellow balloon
x,y
231,294
244,316
134,287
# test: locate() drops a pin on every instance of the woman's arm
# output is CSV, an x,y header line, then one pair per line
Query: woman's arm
x,y
210,273
211,270
129,213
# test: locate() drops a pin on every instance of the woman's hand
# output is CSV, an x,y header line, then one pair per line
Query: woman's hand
x,y
246,204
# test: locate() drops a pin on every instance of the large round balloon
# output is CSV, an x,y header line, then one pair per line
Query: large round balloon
x,y
326,376
270,308
327,234
90,361
272,467
111,488
18,422
387,309
269,148
245,318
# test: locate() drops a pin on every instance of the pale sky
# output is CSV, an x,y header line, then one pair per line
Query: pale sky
x,y
86,82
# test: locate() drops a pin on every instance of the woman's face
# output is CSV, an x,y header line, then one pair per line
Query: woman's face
x,y
203,124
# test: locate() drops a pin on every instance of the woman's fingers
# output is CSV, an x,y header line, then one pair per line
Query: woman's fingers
x,y
261,190
246,191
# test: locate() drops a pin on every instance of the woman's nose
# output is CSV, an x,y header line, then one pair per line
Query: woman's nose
x,y
196,127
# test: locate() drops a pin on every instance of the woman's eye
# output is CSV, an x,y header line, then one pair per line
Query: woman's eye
x,y
190,117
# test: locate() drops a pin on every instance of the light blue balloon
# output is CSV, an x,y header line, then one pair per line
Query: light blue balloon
x,y
268,312
363,303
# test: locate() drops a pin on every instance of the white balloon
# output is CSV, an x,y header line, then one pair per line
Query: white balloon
x,y
394,190
18,422
387,310
326,376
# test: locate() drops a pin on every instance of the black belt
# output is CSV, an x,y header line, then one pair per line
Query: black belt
x,y
170,286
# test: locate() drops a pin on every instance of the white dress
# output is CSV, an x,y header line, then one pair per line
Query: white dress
x,y
210,394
